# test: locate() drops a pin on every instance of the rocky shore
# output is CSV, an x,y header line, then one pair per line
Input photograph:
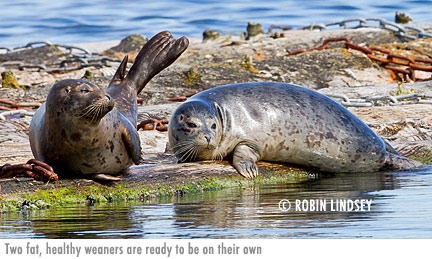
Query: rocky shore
x,y
232,59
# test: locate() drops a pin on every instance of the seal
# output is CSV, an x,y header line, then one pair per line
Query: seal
x,y
277,122
83,131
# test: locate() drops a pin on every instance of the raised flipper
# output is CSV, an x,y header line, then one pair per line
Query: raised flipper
x,y
397,162
245,156
131,140
157,54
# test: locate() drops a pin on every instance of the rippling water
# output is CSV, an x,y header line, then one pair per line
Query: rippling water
x,y
401,208
72,21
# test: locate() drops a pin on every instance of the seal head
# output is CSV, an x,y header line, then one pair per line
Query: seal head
x,y
195,127
81,102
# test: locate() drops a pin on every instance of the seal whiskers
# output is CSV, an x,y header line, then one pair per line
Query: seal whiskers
x,y
96,110
185,150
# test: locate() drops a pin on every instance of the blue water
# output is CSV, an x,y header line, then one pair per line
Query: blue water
x,y
72,21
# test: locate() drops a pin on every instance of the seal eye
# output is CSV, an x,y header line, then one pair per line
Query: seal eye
x,y
67,90
192,125
84,90
181,117
213,126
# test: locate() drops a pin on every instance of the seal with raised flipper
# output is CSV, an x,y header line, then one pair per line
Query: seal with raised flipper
x,y
83,131
277,122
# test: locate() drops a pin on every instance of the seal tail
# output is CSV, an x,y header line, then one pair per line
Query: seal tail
x,y
397,162
157,54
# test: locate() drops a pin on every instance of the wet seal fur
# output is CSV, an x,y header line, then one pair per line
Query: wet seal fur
x,y
83,131
277,122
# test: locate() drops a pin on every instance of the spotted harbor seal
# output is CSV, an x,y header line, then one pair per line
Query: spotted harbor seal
x,y
277,122
82,130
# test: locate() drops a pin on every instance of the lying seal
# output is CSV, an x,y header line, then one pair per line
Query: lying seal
x,y
82,130
277,122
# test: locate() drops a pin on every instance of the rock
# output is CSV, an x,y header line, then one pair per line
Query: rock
x,y
402,17
9,80
127,46
88,75
210,35
131,43
253,29
40,55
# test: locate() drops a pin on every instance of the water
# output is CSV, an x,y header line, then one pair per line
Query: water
x,y
401,208
72,21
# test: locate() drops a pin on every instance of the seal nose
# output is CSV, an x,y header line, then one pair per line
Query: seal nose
x,y
207,138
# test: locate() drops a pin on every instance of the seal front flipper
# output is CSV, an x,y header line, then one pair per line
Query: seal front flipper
x,y
245,156
131,140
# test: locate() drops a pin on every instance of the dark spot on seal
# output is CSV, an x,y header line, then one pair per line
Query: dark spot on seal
x,y
118,161
76,136
330,135
63,133
111,146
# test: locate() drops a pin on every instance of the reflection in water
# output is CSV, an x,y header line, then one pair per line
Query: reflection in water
x,y
401,204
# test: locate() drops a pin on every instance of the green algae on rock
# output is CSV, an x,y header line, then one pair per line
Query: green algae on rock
x,y
142,192
254,29
9,80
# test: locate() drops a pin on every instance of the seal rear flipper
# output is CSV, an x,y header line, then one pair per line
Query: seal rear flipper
x,y
131,140
120,74
157,54
245,156
397,162
389,148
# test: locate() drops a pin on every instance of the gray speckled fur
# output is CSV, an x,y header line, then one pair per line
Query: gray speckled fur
x,y
287,123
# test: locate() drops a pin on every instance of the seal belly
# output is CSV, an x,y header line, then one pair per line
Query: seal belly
x,y
88,150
